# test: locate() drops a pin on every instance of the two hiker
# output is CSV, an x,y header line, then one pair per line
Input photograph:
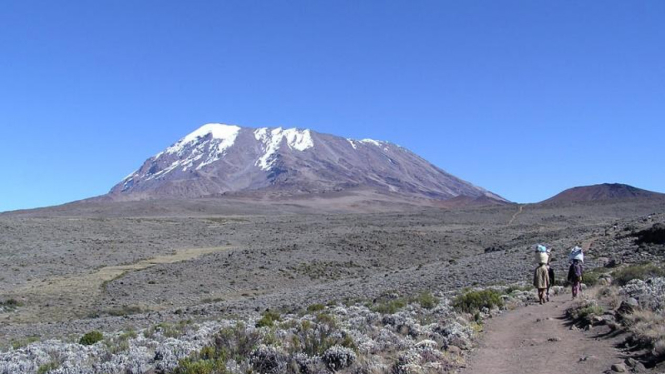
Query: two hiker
x,y
543,277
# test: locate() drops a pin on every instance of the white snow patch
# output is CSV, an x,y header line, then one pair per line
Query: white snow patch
x,y
225,133
129,176
371,141
271,140
222,138
353,143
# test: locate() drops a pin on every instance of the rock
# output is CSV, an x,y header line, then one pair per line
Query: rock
x,y
554,340
631,362
453,349
619,368
624,309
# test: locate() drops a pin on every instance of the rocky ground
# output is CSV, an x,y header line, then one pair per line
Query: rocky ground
x,y
68,275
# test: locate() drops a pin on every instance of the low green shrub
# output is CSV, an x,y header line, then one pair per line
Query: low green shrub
x,y
91,338
43,369
590,278
589,311
511,289
268,319
426,300
473,301
624,275
315,308
388,306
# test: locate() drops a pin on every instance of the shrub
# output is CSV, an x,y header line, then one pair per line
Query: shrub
x,y
268,319
315,308
510,289
43,369
427,300
125,310
624,275
91,338
194,366
337,357
388,306
473,301
591,277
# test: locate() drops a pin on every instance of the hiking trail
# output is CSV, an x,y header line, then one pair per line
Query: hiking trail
x,y
519,211
537,339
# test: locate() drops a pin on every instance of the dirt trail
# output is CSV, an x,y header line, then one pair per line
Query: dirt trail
x,y
519,211
57,298
516,342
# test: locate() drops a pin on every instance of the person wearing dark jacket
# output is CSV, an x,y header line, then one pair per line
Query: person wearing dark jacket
x,y
550,274
575,272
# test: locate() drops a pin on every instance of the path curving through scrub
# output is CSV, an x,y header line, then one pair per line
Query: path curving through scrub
x,y
538,339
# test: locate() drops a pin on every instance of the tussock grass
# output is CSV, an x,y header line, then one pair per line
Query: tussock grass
x,y
91,338
643,271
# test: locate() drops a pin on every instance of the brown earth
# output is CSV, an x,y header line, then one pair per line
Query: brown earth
x,y
538,339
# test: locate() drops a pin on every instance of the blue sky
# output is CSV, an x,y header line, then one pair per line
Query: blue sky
x,y
524,98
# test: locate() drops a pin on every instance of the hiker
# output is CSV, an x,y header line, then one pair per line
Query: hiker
x,y
541,281
550,276
575,276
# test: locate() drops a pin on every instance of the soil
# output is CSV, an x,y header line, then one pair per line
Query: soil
x,y
538,339
83,270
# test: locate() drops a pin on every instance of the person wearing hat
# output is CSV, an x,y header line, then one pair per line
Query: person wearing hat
x,y
541,281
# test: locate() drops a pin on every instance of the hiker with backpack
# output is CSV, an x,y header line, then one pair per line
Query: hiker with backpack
x,y
541,280
575,272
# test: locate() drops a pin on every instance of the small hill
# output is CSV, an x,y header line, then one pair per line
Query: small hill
x,y
601,192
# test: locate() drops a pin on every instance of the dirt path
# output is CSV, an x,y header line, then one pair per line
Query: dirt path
x,y
516,342
60,298
519,211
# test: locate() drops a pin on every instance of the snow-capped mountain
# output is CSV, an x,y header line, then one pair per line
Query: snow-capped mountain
x,y
219,158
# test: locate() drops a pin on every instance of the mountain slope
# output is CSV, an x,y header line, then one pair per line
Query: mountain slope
x,y
217,159
605,191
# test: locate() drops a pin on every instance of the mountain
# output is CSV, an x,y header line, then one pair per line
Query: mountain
x,y
231,160
605,191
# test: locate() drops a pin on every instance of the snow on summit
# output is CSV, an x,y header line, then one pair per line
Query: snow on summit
x,y
299,140
226,133
218,158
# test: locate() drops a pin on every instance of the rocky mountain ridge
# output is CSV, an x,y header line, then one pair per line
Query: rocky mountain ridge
x,y
221,159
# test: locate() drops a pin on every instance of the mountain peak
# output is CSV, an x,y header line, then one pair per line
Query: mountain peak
x,y
218,158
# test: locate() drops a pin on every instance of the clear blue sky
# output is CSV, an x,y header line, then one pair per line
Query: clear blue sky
x,y
524,98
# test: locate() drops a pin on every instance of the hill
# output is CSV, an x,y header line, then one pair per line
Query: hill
x,y
601,192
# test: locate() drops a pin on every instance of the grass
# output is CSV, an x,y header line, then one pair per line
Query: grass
x,y
315,308
10,304
388,306
473,301
648,329
169,330
591,277
43,369
268,319
643,271
91,338
124,310
24,342
426,300
511,289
